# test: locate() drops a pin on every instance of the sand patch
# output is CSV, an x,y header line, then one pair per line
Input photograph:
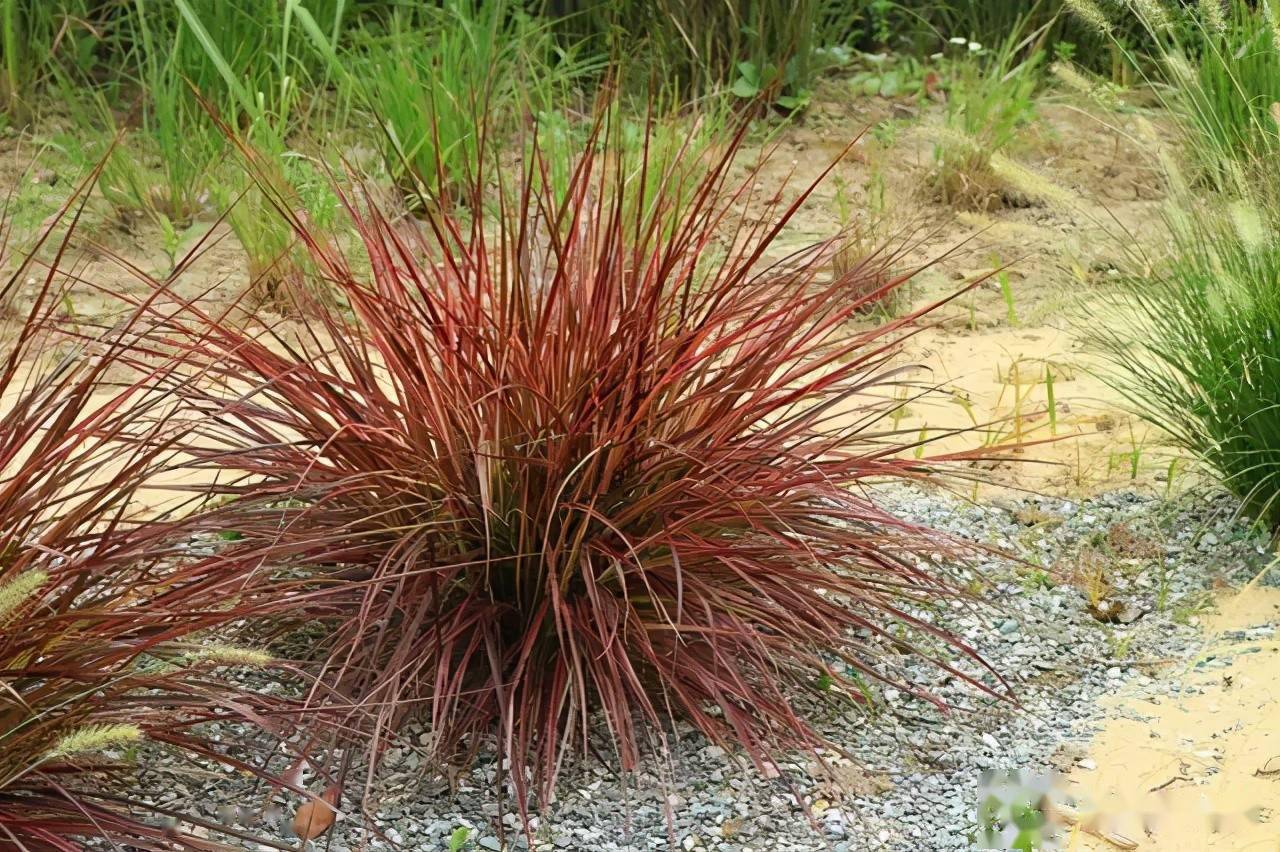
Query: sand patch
x,y
1198,769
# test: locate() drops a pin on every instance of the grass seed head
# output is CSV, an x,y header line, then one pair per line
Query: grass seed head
x,y
95,738
16,592
1091,14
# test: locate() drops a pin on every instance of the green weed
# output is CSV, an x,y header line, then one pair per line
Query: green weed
x,y
989,103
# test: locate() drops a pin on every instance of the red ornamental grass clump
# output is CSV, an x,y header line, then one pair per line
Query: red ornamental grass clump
x,y
576,470
94,605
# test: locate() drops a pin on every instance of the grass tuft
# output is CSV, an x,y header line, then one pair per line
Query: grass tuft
x,y
990,102
1196,350
589,466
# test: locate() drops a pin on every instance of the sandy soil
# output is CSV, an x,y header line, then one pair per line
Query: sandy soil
x,y
1197,771
993,363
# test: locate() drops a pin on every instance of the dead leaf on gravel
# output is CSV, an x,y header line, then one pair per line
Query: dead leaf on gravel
x,y
316,817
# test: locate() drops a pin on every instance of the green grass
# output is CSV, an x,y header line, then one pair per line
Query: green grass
x,y
1227,84
1196,349
759,46
989,103
34,38
483,67
264,194
667,145
1217,67
256,61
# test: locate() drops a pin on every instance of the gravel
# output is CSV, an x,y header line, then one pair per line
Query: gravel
x,y
1149,563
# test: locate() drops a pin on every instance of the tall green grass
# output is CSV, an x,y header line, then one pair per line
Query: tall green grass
x,y
256,68
1228,84
1195,340
434,80
657,154
159,169
700,46
1197,345
1217,67
34,36
257,61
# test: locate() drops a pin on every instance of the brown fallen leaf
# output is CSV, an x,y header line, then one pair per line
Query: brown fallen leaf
x,y
316,816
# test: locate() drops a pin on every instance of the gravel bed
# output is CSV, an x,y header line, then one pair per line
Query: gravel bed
x,y
1150,565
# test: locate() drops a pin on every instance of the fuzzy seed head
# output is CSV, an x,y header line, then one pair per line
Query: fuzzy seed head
x,y
18,591
233,655
1152,13
95,738
1027,182
1071,78
1097,90
1179,67
1248,224
1212,15
1269,11
1091,14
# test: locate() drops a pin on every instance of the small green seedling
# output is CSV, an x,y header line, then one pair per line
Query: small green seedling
x,y
900,411
1169,474
1135,452
1037,578
1050,399
1006,290
458,840
844,204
